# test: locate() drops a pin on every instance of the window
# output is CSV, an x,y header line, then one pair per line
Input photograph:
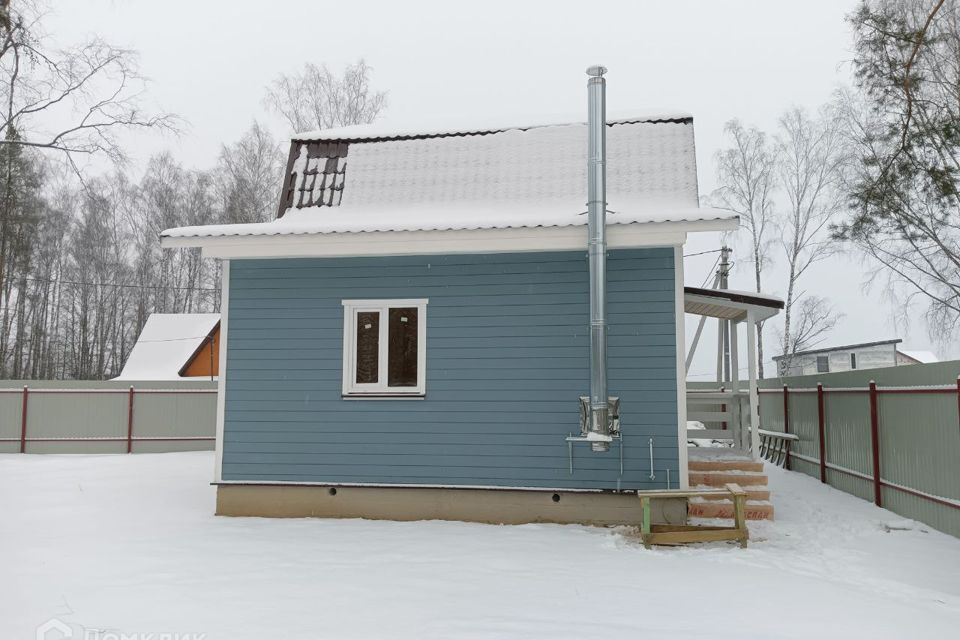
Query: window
x,y
384,347
853,361
823,364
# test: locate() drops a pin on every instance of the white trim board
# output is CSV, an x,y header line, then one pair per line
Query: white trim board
x,y
389,243
683,453
222,372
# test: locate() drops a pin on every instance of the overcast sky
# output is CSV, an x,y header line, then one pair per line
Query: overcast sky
x,y
209,61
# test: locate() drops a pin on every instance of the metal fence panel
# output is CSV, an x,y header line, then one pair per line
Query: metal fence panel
x,y
96,417
918,410
10,407
180,415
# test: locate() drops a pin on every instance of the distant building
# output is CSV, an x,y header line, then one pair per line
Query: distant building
x,y
866,355
174,346
915,357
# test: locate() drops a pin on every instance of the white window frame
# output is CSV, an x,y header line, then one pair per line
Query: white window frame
x,y
351,389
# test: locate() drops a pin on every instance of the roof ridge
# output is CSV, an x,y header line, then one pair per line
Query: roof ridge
x,y
330,135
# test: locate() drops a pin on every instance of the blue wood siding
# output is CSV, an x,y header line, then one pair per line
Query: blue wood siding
x,y
507,358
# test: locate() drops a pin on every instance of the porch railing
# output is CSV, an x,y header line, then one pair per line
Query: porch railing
x,y
725,415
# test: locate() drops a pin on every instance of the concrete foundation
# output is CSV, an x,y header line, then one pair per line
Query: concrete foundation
x,y
494,506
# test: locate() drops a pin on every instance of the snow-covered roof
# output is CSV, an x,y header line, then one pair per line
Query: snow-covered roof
x,y
923,357
481,177
166,343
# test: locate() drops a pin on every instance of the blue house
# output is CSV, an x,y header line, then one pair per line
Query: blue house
x,y
411,337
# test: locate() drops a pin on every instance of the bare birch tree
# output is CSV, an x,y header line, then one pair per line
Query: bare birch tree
x,y
249,173
317,99
73,100
746,174
810,155
814,319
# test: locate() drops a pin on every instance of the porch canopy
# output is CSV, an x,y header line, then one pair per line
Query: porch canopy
x,y
727,304
734,308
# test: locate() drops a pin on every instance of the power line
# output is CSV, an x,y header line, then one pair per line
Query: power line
x,y
118,285
710,271
742,369
690,255
203,337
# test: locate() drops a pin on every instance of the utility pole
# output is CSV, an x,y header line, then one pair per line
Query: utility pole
x,y
723,326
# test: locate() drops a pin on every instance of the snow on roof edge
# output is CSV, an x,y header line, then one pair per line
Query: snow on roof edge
x,y
740,292
922,356
388,130
400,223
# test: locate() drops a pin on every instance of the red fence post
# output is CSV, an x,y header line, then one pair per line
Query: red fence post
x,y
130,420
786,421
875,443
23,419
821,425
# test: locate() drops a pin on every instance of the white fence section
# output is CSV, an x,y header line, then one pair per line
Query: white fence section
x,y
724,413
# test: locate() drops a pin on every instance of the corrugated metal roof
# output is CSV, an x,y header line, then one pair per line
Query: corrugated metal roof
x,y
519,177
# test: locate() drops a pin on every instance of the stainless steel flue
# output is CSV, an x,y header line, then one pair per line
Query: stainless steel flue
x,y
597,230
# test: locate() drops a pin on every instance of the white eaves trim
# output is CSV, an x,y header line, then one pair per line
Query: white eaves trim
x,y
392,243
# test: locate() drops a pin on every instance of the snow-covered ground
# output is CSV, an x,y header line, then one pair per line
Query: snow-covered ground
x,y
128,545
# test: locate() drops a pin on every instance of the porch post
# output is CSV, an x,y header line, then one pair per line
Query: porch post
x,y
754,396
735,383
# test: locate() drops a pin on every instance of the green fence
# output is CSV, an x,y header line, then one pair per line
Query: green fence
x,y
106,417
895,442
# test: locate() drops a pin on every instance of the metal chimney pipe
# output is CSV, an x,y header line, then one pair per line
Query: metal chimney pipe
x,y
597,230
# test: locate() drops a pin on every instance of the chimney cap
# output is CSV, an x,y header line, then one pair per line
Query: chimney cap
x,y
596,70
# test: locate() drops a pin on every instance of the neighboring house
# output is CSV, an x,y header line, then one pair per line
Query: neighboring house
x,y
174,346
866,355
914,356
411,337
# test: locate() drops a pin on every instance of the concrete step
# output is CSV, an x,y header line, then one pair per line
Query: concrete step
x,y
725,465
753,509
759,492
720,478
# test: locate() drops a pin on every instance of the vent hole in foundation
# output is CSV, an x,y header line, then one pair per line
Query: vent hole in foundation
x,y
332,491
556,497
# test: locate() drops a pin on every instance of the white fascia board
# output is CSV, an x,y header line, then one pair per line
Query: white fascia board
x,y
443,242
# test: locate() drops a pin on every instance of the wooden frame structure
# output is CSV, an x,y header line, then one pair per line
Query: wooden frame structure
x,y
734,308
670,534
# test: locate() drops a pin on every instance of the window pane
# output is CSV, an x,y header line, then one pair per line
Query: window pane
x,y
823,364
402,365
368,346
